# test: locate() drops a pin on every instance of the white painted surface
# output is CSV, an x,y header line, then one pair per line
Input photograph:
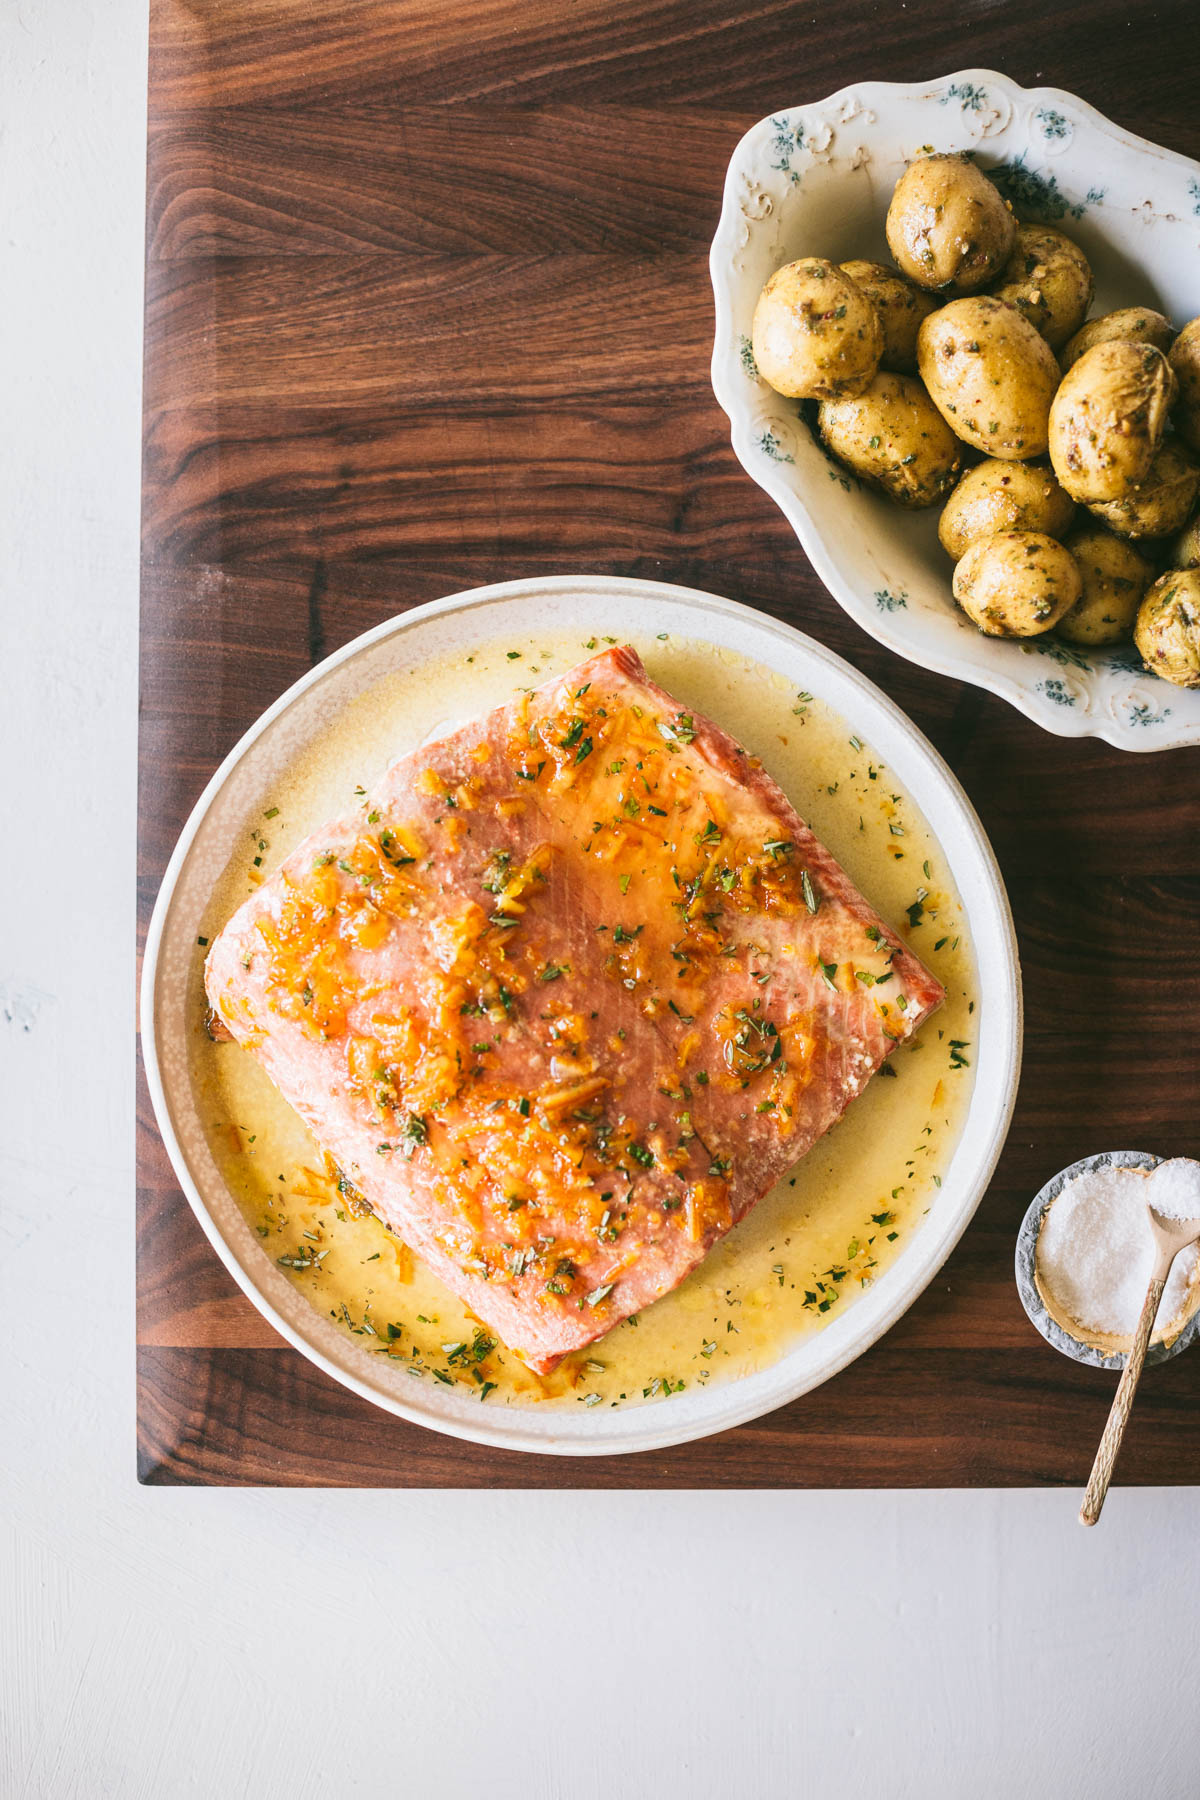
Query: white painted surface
x,y
227,1644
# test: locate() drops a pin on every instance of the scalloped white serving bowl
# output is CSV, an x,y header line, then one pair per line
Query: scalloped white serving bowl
x,y
817,180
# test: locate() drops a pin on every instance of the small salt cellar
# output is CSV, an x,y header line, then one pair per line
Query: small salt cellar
x,y
1084,1255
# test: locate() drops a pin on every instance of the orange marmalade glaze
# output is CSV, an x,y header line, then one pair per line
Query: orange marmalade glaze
x,y
507,1159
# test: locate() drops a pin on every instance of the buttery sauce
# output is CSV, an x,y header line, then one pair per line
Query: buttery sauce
x,y
810,1246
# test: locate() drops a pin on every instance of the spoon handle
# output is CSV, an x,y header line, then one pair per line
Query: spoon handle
x,y
1118,1417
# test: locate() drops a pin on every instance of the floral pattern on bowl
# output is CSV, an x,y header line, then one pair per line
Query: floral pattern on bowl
x,y
817,179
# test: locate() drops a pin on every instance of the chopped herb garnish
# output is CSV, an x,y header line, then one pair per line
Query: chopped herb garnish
x,y
681,730
413,1132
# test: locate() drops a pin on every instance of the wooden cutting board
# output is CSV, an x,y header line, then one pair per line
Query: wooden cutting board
x,y
427,306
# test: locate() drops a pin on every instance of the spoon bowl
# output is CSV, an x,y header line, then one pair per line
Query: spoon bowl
x,y
1172,1235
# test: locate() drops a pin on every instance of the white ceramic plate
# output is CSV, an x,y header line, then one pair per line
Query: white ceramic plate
x,y
233,801
817,180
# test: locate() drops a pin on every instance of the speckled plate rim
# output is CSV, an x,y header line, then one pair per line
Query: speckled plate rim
x,y
856,98
933,788
1026,1258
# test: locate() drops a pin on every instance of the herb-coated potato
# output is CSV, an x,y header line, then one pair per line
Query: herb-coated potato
x,y
900,306
1185,361
1108,419
1168,628
1185,551
990,375
947,226
1159,505
1114,577
1049,280
1016,583
1003,496
815,333
1131,324
895,438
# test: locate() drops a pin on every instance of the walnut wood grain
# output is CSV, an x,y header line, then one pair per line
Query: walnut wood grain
x,y
380,176
965,1417
428,306
636,53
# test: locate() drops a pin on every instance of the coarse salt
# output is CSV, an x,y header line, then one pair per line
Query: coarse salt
x,y
1095,1250
1175,1188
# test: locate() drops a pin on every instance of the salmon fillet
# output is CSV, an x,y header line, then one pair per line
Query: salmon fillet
x,y
564,996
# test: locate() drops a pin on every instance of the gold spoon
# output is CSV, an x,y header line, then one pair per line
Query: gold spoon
x,y
1170,1237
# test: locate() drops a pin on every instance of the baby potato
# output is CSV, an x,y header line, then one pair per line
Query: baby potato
x,y
1185,361
1108,419
1016,583
895,438
1114,577
1130,324
1168,628
815,333
1049,280
990,375
947,226
1003,496
1161,503
1185,551
900,306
